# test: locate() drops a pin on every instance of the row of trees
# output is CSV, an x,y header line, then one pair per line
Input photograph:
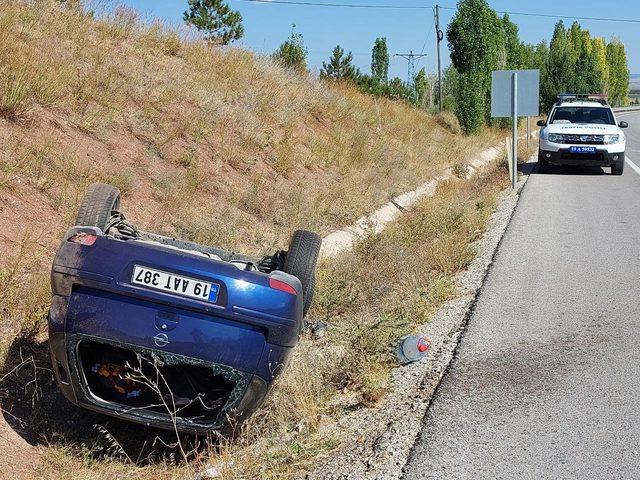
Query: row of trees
x,y
580,63
480,41
222,25
339,67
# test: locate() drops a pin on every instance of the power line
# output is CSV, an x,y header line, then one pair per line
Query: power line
x,y
341,5
424,45
427,7
564,17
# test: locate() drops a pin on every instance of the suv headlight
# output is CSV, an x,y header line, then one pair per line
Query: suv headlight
x,y
555,138
609,139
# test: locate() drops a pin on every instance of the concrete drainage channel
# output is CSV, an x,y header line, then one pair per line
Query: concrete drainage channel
x,y
343,240
380,441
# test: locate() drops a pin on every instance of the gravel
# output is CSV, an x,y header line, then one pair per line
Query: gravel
x,y
380,440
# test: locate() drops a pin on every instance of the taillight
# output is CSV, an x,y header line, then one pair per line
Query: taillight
x,y
82,238
282,286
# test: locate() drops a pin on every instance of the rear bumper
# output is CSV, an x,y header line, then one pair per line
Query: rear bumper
x,y
563,156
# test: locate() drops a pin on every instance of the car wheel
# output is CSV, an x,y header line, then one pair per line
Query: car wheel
x,y
98,203
301,260
617,168
543,166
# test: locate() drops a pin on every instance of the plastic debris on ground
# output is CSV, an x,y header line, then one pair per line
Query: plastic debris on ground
x,y
412,348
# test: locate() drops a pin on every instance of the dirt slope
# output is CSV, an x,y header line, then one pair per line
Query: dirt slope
x,y
215,145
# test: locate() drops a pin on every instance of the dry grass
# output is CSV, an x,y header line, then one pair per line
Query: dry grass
x,y
24,295
449,121
134,104
390,284
224,148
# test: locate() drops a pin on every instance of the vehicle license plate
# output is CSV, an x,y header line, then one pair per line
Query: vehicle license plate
x,y
582,149
169,282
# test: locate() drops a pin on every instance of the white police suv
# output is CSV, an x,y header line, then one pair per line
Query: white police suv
x,y
582,130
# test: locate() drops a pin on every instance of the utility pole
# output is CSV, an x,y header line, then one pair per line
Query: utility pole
x,y
411,73
439,37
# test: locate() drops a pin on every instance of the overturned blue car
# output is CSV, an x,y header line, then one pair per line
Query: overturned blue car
x,y
170,333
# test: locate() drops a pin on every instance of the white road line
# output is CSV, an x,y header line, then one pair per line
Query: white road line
x,y
635,167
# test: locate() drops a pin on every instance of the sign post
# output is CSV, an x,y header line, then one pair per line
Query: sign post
x,y
514,127
515,93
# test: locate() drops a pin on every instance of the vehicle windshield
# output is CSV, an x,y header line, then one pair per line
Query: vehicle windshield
x,y
600,115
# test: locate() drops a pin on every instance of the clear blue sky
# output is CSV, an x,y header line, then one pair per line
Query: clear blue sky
x,y
267,25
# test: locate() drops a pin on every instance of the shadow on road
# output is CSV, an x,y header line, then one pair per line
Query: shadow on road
x,y
568,170
527,168
34,408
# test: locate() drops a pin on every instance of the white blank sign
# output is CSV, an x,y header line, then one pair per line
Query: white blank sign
x,y
528,93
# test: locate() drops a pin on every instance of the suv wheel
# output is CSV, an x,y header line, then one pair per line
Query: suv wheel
x,y
543,165
617,168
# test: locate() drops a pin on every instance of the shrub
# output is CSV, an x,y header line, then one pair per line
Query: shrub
x,y
292,53
460,169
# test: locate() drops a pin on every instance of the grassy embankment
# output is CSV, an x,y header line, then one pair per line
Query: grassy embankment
x,y
224,148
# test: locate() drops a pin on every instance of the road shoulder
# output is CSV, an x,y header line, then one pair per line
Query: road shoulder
x,y
387,435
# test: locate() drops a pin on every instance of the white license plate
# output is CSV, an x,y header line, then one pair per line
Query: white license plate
x,y
169,282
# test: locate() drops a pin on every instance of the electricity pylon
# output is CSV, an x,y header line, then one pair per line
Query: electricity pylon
x,y
411,73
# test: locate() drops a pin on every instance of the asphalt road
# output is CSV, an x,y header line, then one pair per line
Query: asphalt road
x,y
546,381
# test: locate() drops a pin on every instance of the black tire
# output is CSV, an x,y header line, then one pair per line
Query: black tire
x,y
98,203
543,166
617,168
301,260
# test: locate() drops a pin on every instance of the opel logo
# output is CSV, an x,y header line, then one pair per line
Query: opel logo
x,y
161,340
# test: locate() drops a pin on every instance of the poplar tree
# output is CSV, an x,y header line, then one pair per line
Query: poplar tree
x,y
539,58
558,78
599,54
423,89
618,73
476,43
516,51
380,60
